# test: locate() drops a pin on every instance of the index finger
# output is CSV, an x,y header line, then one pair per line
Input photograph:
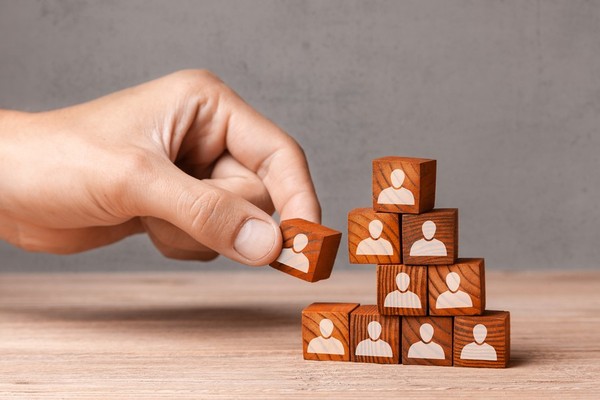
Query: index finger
x,y
275,157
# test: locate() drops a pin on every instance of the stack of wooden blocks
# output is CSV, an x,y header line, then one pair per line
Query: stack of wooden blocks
x,y
430,303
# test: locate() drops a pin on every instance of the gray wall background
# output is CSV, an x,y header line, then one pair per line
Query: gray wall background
x,y
504,94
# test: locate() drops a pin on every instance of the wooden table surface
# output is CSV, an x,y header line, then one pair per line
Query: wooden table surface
x,y
218,335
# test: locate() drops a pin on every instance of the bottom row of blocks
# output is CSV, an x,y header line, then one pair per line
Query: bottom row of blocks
x,y
350,332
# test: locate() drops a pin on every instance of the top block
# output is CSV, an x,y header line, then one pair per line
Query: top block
x,y
403,184
309,250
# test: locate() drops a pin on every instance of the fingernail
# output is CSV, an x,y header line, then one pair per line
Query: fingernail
x,y
255,239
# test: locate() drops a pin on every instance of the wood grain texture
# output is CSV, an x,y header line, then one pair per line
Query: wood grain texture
x,y
442,336
322,247
388,288
235,333
446,231
497,324
420,179
358,232
471,273
339,314
390,334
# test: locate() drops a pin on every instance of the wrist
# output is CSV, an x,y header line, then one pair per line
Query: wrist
x,y
13,125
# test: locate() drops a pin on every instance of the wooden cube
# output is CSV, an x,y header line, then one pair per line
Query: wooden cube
x,y
457,289
374,338
373,238
430,238
482,341
402,289
427,340
403,184
309,250
326,331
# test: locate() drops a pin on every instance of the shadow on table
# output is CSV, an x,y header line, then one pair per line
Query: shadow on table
x,y
243,317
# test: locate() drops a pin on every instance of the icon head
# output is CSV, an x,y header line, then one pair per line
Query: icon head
x,y
479,333
397,177
426,332
375,228
453,281
428,229
300,242
326,328
374,330
402,281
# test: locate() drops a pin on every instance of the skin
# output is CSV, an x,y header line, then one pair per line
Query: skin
x,y
182,158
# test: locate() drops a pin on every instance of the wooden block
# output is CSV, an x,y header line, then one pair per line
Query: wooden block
x,y
309,250
430,238
402,290
374,338
373,238
326,331
427,340
457,289
403,184
482,341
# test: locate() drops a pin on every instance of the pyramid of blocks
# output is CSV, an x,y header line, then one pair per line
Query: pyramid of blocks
x,y
430,304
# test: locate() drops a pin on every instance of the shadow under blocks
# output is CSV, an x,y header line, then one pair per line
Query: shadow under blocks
x,y
430,303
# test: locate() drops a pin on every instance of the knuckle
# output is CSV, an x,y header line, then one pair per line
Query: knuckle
x,y
163,231
293,145
25,241
165,250
196,74
35,245
43,241
168,252
27,244
203,87
197,80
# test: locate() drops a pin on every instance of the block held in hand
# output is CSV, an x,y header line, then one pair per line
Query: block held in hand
x,y
309,250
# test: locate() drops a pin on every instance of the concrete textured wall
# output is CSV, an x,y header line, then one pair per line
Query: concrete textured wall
x,y
504,94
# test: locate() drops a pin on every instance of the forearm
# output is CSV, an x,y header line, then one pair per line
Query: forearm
x,y
11,121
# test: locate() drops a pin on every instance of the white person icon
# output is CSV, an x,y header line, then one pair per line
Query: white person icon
x,y
326,344
374,346
396,194
402,297
375,244
453,297
293,257
426,347
428,246
479,350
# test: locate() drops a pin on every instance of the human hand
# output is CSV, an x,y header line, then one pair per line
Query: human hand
x,y
182,158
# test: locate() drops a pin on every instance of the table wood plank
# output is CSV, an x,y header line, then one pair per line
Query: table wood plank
x,y
227,335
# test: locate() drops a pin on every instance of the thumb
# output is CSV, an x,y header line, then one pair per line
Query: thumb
x,y
217,218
